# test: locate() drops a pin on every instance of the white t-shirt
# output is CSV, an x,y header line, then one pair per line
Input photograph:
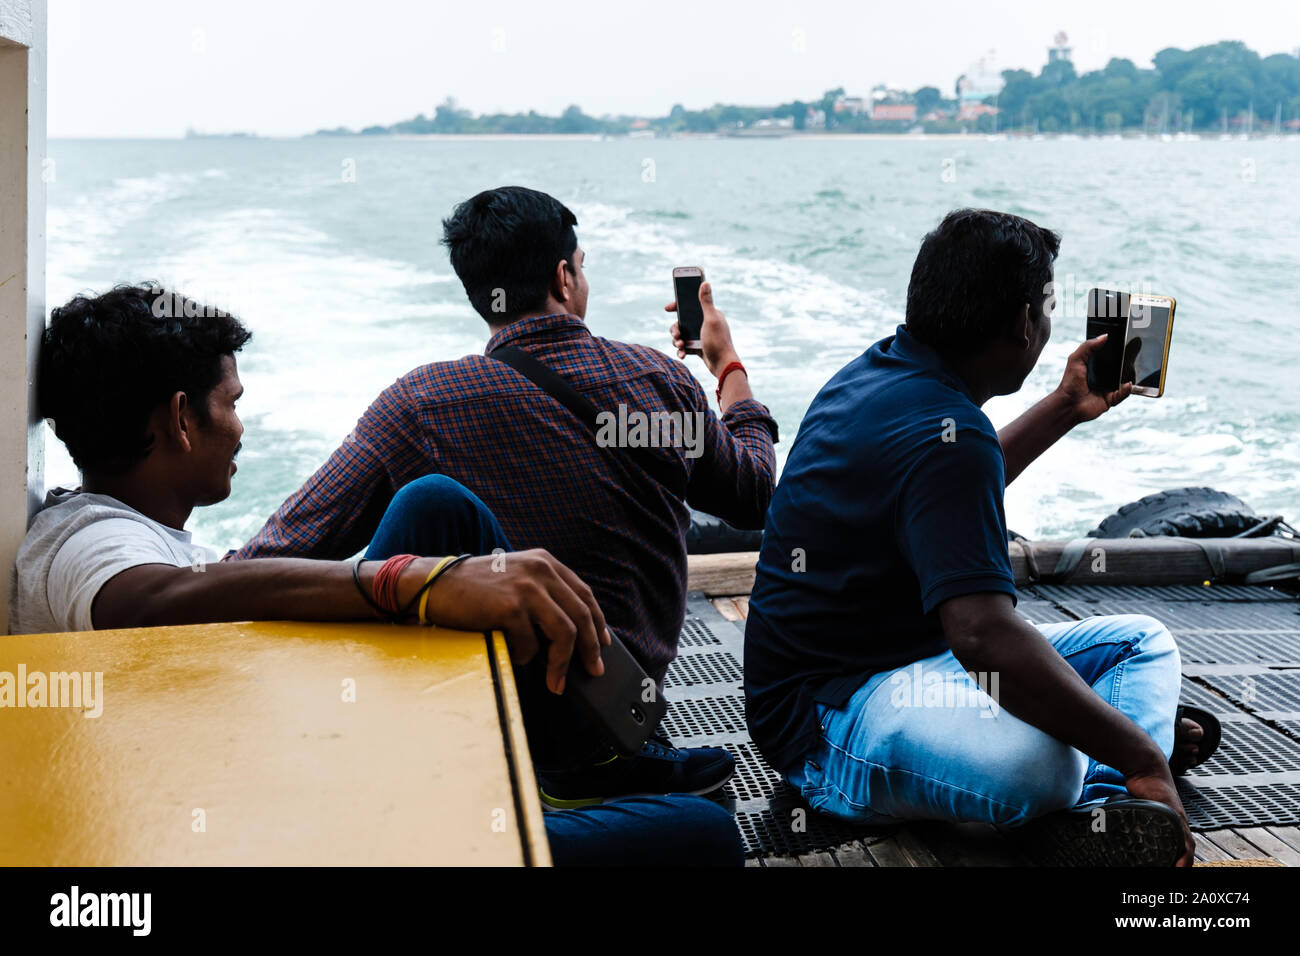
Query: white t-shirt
x,y
77,543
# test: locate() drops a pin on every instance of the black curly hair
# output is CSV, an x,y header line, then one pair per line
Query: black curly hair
x,y
107,361
509,239
972,276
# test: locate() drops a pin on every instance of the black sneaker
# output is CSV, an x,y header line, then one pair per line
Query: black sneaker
x,y
658,769
1121,831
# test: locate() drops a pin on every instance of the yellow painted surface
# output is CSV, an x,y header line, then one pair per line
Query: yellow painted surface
x,y
245,727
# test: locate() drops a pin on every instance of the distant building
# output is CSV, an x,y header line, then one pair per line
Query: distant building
x,y
639,124
894,111
882,93
851,105
981,80
1060,50
969,112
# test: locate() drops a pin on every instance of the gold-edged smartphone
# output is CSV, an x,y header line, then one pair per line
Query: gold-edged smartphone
x,y
1146,344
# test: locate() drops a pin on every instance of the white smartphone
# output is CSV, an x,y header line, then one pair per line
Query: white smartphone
x,y
690,315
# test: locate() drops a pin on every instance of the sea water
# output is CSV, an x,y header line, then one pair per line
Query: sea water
x,y
328,248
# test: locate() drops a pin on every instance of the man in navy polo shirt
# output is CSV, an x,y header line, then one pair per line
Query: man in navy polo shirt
x,y
887,674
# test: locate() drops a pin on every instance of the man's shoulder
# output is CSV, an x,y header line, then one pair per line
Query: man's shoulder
x,y
872,392
447,380
631,360
472,377
67,512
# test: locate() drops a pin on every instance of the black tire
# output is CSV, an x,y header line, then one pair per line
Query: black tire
x,y
710,535
1180,513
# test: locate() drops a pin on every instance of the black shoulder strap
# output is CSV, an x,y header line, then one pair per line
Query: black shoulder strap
x,y
553,384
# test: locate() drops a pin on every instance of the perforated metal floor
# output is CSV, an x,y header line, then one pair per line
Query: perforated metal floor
x,y
1241,660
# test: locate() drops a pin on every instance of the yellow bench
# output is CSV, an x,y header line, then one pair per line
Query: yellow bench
x,y
264,744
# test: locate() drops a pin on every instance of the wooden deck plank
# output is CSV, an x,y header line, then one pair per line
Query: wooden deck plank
x,y
816,859
915,847
778,861
853,854
888,852
1232,844
742,604
1288,835
1271,846
1205,850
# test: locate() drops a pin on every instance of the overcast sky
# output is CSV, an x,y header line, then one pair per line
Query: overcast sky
x,y
285,67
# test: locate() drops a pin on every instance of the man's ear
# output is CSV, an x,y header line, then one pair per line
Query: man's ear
x,y
176,424
563,286
1023,328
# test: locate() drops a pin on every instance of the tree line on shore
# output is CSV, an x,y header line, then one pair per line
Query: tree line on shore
x,y
1214,87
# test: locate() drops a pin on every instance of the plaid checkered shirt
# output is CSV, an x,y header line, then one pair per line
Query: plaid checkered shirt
x,y
541,472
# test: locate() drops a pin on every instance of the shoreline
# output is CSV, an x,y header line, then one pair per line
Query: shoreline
x,y
753,137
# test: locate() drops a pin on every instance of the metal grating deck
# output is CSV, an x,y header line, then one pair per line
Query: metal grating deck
x,y
1241,661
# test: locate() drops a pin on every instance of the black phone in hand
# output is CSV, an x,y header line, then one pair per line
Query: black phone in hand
x,y
624,703
1107,312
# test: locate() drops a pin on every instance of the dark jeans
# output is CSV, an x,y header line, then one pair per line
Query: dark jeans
x,y
673,830
434,516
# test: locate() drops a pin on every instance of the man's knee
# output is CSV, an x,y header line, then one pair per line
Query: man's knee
x,y
1149,629
1153,640
439,496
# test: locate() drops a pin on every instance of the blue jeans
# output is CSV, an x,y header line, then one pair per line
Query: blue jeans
x,y
436,515
924,742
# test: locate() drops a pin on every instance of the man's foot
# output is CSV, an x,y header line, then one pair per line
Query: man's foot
x,y
1196,736
659,768
1121,831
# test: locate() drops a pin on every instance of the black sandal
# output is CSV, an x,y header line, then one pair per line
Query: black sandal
x,y
1209,742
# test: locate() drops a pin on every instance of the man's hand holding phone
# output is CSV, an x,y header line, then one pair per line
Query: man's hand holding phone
x,y
530,596
1085,403
715,335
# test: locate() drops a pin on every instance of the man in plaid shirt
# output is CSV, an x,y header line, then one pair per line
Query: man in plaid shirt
x,y
542,473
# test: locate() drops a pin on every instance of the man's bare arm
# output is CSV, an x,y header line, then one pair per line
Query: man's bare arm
x,y
1072,403
527,594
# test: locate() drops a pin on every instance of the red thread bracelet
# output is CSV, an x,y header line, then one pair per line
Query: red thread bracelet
x,y
723,377
386,578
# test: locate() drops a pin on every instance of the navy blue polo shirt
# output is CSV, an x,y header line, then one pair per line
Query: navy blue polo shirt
x,y
890,503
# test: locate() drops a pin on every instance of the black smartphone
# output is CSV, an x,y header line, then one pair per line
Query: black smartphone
x,y
624,702
690,316
1107,312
